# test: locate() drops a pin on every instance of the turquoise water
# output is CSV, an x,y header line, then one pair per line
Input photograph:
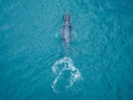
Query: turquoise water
x,y
32,62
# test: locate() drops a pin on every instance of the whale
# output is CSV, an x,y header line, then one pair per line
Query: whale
x,y
66,33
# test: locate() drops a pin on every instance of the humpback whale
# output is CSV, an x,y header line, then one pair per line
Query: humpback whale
x,y
63,66
66,31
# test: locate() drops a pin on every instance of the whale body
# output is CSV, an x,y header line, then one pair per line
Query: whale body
x,y
66,31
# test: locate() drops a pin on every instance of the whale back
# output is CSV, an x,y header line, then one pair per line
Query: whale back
x,y
66,31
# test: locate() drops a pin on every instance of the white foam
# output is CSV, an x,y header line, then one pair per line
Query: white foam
x,y
67,65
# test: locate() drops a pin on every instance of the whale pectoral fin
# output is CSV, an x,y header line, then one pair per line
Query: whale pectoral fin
x,y
57,34
75,35
61,34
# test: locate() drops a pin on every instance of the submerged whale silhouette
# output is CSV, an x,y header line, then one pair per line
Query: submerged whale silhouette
x,y
66,31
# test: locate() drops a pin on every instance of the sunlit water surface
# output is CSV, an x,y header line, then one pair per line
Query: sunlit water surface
x,y
32,62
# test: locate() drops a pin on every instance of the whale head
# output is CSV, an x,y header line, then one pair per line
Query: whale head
x,y
67,17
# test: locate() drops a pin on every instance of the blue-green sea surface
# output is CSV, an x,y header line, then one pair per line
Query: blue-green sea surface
x,y
32,62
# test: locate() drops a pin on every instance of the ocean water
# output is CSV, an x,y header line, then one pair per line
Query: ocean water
x,y
32,61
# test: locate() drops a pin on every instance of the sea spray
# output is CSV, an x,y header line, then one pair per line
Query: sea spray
x,y
66,74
